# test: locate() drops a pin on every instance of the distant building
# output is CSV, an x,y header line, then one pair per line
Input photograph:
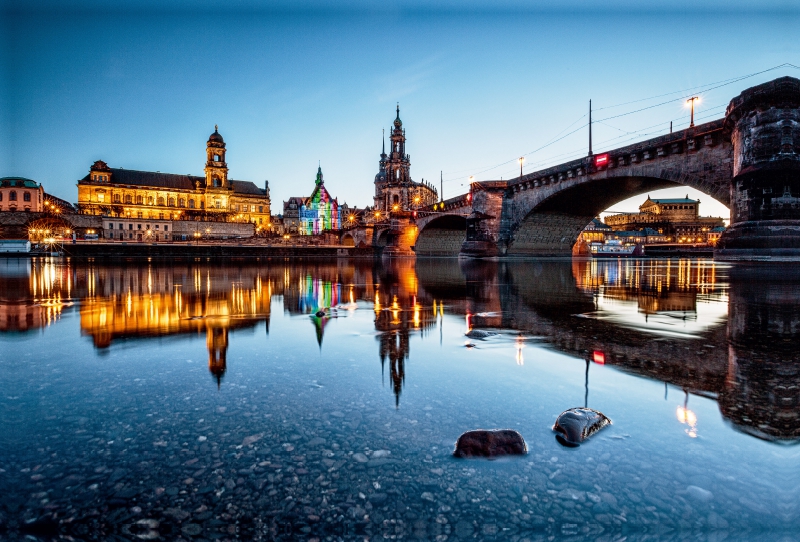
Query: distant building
x,y
645,236
394,189
117,192
21,194
291,214
678,220
595,232
714,234
319,212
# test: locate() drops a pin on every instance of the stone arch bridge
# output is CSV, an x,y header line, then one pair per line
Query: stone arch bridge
x,y
21,225
749,160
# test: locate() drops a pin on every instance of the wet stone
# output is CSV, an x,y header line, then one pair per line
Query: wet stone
x,y
494,443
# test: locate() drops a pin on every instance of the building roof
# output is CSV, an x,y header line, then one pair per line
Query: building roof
x,y
680,200
155,179
597,224
20,182
246,187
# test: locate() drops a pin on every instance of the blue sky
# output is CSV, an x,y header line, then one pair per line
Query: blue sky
x,y
141,85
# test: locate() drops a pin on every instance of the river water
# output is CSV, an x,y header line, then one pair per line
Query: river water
x,y
207,401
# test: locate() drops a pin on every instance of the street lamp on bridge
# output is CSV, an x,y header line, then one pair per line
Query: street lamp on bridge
x,y
521,161
691,101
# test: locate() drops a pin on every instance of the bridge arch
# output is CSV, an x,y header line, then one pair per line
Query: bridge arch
x,y
441,236
348,240
43,227
548,221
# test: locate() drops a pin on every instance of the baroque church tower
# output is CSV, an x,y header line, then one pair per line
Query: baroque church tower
x,y
395,191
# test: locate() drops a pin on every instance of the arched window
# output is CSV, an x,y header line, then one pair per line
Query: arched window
x,y
116,198
161,201
182,202
395,199
150,200
12,196
216,182
216,157
128,198
191,204
202,204
139,200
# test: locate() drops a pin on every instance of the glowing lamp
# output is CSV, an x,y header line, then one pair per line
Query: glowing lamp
x,y
469,197
601,160
598,357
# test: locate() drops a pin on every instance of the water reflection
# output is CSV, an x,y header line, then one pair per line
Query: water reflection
x,y
728,333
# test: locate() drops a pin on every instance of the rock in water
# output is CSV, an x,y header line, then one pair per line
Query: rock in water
x,y
577,424
320,313
495,443
479,334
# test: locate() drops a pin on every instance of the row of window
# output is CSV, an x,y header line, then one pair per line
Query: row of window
x,y
161,201
12,196
98,177
140,200
138,226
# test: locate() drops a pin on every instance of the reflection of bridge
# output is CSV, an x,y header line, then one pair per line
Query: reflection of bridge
x,y
749,160
749,365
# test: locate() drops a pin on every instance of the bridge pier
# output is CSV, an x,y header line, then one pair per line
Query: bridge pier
x,y
764,122
485,233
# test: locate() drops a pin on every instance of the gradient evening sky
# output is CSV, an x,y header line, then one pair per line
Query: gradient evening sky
x,y
141,85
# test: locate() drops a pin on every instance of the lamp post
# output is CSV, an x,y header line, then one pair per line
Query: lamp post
x,y
521,161
691,101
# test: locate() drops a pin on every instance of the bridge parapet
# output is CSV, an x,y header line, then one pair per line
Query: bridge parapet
x,y
709,134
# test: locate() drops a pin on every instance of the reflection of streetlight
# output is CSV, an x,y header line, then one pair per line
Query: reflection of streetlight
x,y
691,101
687,417
520,344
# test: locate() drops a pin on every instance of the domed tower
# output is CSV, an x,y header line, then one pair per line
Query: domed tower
x,y
216,167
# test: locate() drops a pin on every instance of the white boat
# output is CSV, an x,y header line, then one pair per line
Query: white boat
x,y
614,248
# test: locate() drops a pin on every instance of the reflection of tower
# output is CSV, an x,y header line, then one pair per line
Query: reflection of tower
x,y
394,345
217,342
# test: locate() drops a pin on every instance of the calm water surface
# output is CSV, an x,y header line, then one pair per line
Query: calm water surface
x,y
208,402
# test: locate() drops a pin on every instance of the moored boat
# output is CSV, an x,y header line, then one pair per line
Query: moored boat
x,y
614,248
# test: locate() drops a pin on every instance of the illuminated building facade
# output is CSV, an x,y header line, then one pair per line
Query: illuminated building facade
x,y
117,192
678,219
21,194
394,189
319,212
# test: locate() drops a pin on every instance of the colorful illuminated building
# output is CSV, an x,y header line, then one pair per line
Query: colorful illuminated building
x,y
319,212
